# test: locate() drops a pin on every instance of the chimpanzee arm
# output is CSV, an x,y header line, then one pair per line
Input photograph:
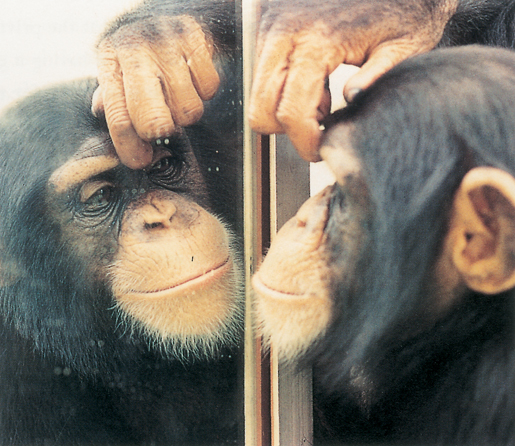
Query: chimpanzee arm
x,y
156,66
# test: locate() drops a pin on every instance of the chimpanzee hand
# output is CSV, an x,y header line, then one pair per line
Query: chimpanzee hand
x,y
153,75
302,42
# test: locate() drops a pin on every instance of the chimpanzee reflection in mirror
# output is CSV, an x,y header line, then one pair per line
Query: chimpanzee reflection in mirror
x,y
397,283
121,306
120,289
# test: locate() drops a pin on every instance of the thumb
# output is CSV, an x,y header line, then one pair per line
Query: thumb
x,y
379,62
97,103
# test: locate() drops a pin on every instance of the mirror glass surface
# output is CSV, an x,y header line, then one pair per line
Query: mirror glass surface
x,y
154,391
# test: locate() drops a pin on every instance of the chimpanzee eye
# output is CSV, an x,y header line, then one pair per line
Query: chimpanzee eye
x,y
162,165
101,197
167,169
97,196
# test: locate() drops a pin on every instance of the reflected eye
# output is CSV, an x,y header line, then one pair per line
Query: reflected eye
x,y
97,196
101,197
167,170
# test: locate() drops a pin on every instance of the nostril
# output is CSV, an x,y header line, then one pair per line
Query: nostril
x,y
150,226
158,215
313,213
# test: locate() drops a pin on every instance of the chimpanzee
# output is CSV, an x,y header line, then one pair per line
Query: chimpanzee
x,y
85,358
120,307
397,282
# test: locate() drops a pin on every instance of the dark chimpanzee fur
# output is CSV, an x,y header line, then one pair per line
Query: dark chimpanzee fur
x,y
74,368
71,371
388,369
485,22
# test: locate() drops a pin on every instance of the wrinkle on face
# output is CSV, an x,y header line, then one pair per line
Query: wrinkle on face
x,y
93,157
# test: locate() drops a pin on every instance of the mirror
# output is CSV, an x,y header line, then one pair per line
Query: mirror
x,y
122,303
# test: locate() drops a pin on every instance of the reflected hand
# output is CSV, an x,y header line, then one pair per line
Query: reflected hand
x,y
299,46
153,76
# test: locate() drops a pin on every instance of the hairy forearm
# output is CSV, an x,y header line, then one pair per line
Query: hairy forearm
x,y
217,17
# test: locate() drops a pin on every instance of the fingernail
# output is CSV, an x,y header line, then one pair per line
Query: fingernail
x,y
351,95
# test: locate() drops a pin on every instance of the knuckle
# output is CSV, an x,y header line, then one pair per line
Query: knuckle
x,y
190,113
288,116
263,123
105,48
183,25
118,121
256,120
152,125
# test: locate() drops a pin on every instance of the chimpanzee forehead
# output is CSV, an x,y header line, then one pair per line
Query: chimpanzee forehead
x,y
94,156
95,146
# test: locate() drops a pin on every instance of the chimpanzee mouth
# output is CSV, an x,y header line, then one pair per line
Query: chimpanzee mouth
x,y
264,290
200,282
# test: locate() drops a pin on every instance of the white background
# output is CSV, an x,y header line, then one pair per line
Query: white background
x,y
47,41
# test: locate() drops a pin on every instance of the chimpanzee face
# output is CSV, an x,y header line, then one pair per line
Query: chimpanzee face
x,y
167,259
147,236
345,257
320,245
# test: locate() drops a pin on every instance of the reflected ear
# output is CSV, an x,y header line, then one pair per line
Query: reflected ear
x,y
482,230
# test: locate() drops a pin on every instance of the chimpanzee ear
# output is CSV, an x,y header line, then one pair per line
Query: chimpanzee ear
x,y
482,230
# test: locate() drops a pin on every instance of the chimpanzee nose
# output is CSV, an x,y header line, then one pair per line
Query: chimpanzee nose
x,y
313,213
158,214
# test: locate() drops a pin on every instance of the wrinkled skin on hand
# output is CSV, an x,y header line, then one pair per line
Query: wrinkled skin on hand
x,y
153,76
302,42
155,72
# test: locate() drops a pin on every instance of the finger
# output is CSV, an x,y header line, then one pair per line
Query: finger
x,y
305,137
131,149
199,58
180,93
299,111
269,79
203,73
133,152
146,106
324,108
305,97
97,103
380,61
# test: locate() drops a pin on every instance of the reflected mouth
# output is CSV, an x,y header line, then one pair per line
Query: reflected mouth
x,y
202,280
262,289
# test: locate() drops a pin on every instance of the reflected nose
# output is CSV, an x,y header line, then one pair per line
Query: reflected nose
x,y
158,214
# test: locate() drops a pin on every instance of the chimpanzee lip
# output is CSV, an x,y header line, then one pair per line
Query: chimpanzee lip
x,y
261,288
213,274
